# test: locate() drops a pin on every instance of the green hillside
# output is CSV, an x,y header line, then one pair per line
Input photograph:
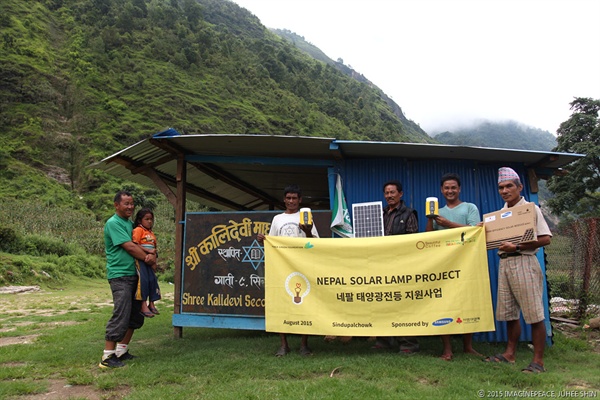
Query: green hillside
x,y
80,80
316,53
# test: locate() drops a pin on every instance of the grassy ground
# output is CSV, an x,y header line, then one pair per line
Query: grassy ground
x,y
51,342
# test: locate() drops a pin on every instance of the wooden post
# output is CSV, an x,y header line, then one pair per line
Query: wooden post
x,y
587,266
533,180
179,225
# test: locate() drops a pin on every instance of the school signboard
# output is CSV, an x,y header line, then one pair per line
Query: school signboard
x,y
223,271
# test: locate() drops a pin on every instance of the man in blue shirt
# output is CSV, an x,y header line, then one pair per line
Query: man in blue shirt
x,y
455,214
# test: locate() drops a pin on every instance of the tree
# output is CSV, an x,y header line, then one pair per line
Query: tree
x,y
579,190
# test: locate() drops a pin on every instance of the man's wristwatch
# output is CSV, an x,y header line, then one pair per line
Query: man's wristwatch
x,y
518,248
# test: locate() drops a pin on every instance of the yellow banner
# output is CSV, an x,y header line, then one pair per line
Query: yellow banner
x,y
420,284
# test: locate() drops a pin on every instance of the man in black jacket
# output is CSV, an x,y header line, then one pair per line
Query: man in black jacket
x,y
398,219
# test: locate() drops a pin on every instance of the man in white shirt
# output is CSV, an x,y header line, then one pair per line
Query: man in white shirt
x,y
520,280
288,224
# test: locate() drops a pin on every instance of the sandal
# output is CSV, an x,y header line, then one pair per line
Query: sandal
x,y
381,345
498,358
147,314
533,368
409,349
282,351
408,352
153,310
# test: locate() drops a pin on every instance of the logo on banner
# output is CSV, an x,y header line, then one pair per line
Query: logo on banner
x,y
427,245
442,322
462,241
297,286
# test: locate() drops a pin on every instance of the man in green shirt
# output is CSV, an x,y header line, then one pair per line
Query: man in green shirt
x,y
121,255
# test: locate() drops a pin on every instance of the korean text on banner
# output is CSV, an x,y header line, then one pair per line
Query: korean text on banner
x,y
429,283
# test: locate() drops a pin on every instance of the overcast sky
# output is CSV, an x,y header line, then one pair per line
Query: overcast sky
x,y
448,62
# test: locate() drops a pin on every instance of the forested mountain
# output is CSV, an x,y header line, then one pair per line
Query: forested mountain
x,y
299,42
81,79
510,134
504,135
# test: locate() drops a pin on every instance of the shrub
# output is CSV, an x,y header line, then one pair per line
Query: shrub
x,y
28,270
563,286
41,245
167,273
10,240
83,265
75,227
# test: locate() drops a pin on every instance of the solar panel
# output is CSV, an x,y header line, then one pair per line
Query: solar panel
x,y
367,219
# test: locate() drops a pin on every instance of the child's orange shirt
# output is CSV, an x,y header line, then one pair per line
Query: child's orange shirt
x,y
144,237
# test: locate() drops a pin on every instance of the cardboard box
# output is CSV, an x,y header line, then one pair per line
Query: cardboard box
x,y
514,224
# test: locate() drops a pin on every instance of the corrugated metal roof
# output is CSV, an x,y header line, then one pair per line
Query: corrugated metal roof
x,y
350,149
249,172
230,172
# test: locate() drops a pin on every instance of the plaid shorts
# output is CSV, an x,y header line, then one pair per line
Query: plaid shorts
x,y
520,288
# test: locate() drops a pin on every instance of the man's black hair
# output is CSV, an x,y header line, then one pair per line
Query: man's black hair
x,y
120,194
292,189
451,176
394,182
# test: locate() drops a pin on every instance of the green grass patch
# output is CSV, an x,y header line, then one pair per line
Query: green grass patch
x,y
67,330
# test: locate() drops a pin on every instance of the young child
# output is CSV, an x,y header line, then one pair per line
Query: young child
x,y
148,284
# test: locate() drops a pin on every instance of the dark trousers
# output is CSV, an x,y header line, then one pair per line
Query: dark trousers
x,y
148,283
126,310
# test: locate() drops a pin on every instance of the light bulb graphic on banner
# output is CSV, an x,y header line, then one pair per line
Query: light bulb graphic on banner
x,y
294,285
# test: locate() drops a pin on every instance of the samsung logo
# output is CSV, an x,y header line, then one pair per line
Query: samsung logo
x,y
441,322
506,214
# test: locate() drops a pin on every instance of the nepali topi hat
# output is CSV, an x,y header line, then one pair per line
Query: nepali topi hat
x,y
507,174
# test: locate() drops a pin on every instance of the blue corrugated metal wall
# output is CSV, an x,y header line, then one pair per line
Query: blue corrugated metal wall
x,y
362,181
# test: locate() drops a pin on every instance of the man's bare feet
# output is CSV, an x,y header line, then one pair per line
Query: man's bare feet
x,y
473,351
